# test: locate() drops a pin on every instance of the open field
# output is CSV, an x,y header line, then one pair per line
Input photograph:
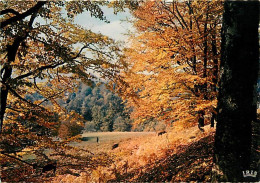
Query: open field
x,y
107,139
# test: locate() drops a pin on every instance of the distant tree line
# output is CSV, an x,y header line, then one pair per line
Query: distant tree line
x,y
102,109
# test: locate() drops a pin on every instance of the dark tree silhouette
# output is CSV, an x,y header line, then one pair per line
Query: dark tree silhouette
x,y
237,94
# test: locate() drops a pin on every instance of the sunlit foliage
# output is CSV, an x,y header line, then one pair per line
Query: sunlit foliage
x,y
172,63
43,51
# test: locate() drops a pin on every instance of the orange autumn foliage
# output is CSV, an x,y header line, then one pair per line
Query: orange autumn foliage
x,y
44,55
173,60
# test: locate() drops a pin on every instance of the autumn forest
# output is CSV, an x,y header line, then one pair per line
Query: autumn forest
x,y
174,99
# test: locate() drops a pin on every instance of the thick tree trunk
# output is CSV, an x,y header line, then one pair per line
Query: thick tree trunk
x,y
238,77
215,63
6,73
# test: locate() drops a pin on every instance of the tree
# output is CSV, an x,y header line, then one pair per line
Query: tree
x,y
172,64
43,51
237,95
33,51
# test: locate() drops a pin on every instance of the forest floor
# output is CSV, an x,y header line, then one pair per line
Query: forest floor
x,y
178,155
185,155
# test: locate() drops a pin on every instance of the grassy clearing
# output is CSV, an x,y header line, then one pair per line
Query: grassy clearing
x,y
107,139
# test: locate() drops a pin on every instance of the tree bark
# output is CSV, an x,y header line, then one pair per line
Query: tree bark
x,y
7,72
237,95
215,63
12,49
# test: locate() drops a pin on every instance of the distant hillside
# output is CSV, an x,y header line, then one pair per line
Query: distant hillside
x,y
102,109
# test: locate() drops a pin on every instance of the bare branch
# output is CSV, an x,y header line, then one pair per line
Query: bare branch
x,y
23,99
53,96
80,52
10,156
23,15
51,66
9,11
183,21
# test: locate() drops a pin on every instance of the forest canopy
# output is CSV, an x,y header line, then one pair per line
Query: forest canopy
x,y
173,61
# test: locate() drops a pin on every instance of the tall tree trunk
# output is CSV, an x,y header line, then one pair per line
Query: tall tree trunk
x,y
238,79
205,59
6,73
215,63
